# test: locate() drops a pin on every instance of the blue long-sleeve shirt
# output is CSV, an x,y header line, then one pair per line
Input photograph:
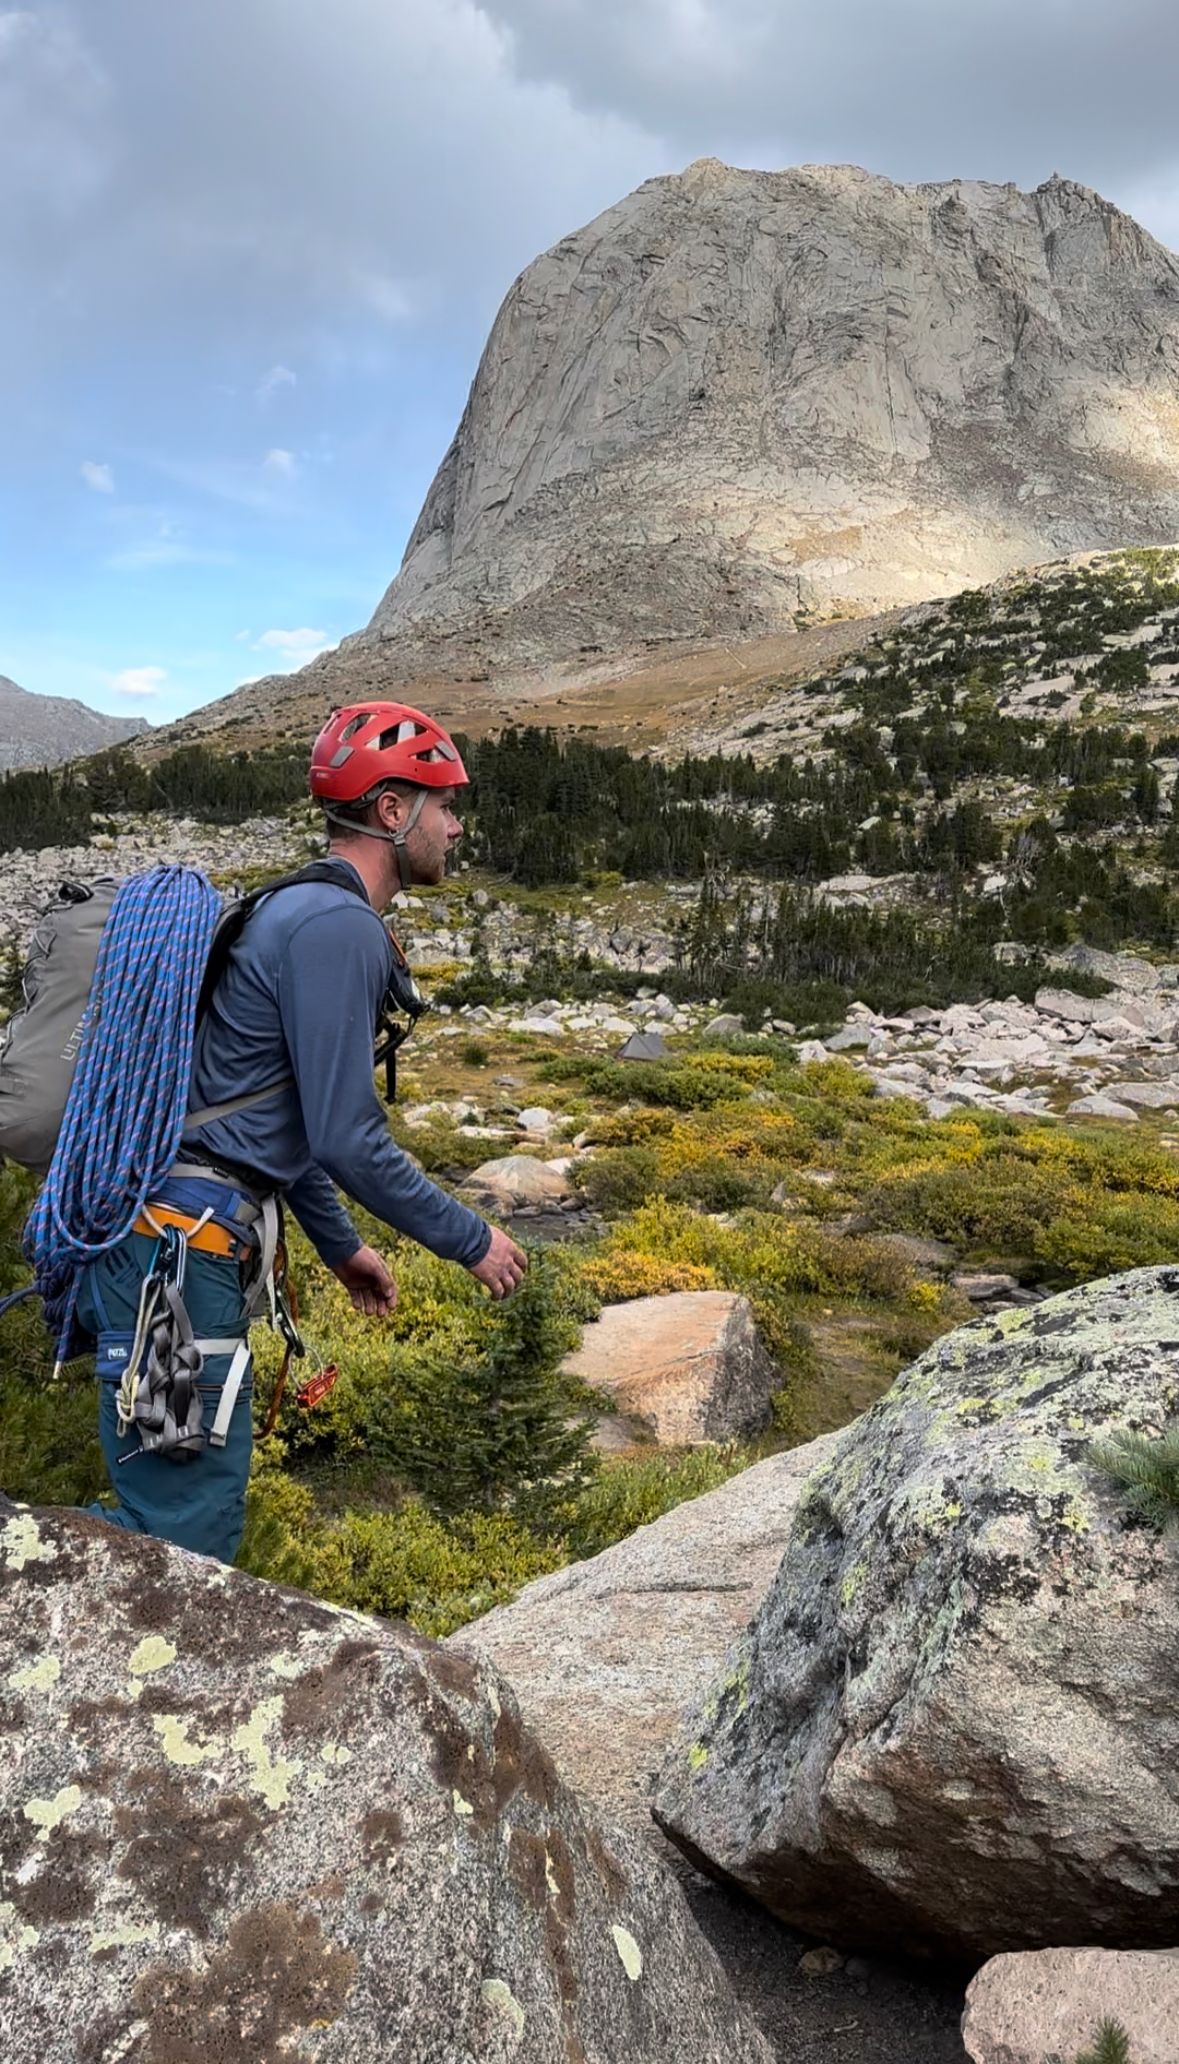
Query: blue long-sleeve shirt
x,y
301,996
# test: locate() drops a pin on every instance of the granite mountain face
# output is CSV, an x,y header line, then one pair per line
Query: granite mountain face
x,y
740,403
739,399
45,730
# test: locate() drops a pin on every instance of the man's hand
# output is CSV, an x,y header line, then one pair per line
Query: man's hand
x,y
503,1266
368,1282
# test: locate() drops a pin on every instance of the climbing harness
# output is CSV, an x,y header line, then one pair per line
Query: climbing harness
x,y
160,1394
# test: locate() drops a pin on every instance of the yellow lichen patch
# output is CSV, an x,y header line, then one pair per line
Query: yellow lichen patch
x,y
152,1653
629,1951
852,1580
15,1936
462,1807
335,1753
284,1664
21,1542
697,1756
271,1775
47,1814
125,1937
40,1676
502,2000
173,1734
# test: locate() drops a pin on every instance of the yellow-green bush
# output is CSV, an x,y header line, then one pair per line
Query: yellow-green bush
x,y
410,1565
726,1159
994,1205
615,1277
405,1564
762,1253
1108,1234
631,1493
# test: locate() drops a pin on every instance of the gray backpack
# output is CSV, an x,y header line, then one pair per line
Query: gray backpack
x,y
40,1044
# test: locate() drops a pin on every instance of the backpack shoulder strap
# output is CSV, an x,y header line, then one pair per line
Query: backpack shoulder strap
x,y
236,916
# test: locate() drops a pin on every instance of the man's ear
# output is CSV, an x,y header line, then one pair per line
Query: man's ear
x,y
389,810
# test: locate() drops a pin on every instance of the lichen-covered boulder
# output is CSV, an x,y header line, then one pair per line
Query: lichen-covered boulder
x,y
238,1824
955,1720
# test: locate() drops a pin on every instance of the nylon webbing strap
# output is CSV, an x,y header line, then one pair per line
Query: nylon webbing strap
x,y
213,1113
229,1394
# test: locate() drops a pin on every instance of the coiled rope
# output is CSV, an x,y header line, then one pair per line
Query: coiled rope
x,y
124,1118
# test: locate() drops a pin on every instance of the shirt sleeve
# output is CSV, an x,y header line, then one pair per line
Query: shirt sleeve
x,y
315,1202
330,987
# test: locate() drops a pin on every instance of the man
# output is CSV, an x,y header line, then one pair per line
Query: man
x,y
296,1006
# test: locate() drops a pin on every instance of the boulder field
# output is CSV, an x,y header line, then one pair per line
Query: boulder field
x,y
237,1823
953,1723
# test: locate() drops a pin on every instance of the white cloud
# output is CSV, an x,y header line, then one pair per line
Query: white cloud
x,y
295,647
100,478
271,383
284,463
140,681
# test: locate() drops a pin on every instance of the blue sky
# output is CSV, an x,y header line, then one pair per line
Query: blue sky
x,y
250,249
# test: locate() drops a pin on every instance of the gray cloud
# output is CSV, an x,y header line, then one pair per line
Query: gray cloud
x,y
249,168
921,89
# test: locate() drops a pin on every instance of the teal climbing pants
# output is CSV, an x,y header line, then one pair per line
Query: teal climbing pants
x,y
198,1504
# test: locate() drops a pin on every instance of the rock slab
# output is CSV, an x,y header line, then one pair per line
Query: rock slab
x,y
953,1723
514,1180
1021,2008
683,1369
237,1823
606,1656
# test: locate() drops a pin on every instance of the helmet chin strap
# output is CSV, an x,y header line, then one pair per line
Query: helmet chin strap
x,y
396,839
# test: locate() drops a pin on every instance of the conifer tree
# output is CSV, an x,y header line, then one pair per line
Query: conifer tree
x,y
501,1433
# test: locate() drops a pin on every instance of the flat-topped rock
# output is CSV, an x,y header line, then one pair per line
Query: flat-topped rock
x,y
682,1369
515,1180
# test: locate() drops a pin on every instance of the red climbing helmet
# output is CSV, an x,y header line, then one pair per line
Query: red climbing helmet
x,y
370,742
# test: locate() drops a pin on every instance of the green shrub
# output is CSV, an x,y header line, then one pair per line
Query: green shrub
x,y
617,1179
1111,2046
1108,1235
1147,1467
283,1539
691,1085
412,1565
997,1205
474,1054
441,1146
631,1493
